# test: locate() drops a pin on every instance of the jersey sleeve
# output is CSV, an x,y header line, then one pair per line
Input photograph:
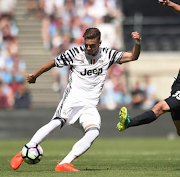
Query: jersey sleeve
x,y
66,58
114,56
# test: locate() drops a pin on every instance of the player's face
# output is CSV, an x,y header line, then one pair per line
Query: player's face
x,y
92,46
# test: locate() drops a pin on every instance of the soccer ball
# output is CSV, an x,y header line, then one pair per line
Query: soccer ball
x,y
32,153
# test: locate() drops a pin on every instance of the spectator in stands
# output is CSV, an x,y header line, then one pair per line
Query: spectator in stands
x,y
45,32
7,95
150,91
114,93
12,69
11,46
32,7
22,97
138,96
3,98
7,6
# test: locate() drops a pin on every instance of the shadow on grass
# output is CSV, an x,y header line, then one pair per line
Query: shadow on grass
x,y
92,169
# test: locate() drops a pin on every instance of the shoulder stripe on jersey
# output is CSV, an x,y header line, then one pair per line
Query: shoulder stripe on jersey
x,y
103,49
70,57
58,57
76,49
107,50
66,58
110,53
72,53
114,55
64,61
81,48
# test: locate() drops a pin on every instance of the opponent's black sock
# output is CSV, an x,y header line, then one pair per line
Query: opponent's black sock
x,y
144,118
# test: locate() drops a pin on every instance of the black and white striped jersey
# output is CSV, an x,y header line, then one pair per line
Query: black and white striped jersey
x,y
87,73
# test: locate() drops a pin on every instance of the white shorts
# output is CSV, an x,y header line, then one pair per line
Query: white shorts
x,y
75,111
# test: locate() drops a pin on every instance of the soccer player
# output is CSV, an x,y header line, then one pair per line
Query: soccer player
x,y
170,104
88,68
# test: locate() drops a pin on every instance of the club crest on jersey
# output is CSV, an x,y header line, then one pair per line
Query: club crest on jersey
x,y
82,58
97,71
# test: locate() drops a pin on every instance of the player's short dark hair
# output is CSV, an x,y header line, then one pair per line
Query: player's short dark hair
x,y
92,33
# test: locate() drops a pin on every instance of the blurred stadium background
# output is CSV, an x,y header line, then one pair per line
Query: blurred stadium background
x,y
35,31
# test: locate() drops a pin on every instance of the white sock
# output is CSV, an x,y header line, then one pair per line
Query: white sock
x,y
81,146
45,130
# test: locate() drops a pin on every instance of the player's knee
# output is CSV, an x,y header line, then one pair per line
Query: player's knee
x,y
160,108
94,130
59,121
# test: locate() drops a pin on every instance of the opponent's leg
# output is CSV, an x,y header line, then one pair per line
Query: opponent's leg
x,y
174,103
175,114
177,124
144,118
37,138
160,108
91,133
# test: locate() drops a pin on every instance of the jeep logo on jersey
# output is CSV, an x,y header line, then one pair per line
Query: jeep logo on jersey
x,y
92,71
177,95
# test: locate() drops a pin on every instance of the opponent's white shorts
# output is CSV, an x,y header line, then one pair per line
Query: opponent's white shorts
x,y
75,111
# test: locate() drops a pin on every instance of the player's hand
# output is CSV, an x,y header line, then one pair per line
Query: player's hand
x,y
163,2
135,35
31,78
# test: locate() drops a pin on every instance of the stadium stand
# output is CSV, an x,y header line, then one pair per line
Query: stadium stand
x,y
159,31
63,24
32,51
47,28
12,67
44,32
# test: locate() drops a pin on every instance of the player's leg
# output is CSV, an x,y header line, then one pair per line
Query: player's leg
x,y
56,122
44,131
40,135
177,125
175,114
174,103
78,149
91,125
144,118
38,138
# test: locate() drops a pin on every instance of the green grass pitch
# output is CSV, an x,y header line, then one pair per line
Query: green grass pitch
x,y
122,157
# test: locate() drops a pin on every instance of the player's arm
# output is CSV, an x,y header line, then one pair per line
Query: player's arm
x,y
31,78
134,54
174,6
